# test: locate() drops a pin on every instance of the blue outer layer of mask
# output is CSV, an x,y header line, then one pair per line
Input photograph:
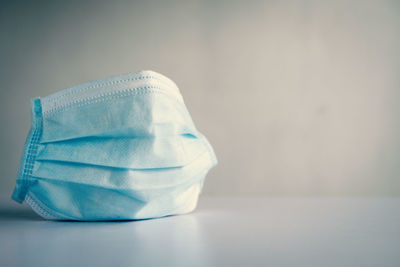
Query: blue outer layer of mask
x,y
121,148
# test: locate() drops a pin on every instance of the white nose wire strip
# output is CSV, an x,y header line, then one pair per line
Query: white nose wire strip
x,y
110,86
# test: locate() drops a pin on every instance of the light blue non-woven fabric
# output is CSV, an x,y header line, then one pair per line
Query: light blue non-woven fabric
x,y
121,148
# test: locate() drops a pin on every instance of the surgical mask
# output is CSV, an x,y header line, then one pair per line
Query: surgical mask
x,y
122,148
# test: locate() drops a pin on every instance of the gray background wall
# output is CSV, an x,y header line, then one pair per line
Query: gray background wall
x,y
297,97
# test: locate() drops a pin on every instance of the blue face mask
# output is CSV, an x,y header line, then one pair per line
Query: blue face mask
x,y
120,148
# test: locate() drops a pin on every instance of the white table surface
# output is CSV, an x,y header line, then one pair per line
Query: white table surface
x,y
221,232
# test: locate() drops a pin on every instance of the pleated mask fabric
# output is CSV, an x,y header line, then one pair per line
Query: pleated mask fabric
x,y
121,148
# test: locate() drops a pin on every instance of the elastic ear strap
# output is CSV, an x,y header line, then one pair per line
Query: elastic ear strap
x,y
29,152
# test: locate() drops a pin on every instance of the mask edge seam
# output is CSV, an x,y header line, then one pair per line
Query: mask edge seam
x,y
108,96
29,153
110,83
42,210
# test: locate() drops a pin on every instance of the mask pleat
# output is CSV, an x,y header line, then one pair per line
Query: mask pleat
x,y
78,206
144,113
122,179
134,153
58,196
